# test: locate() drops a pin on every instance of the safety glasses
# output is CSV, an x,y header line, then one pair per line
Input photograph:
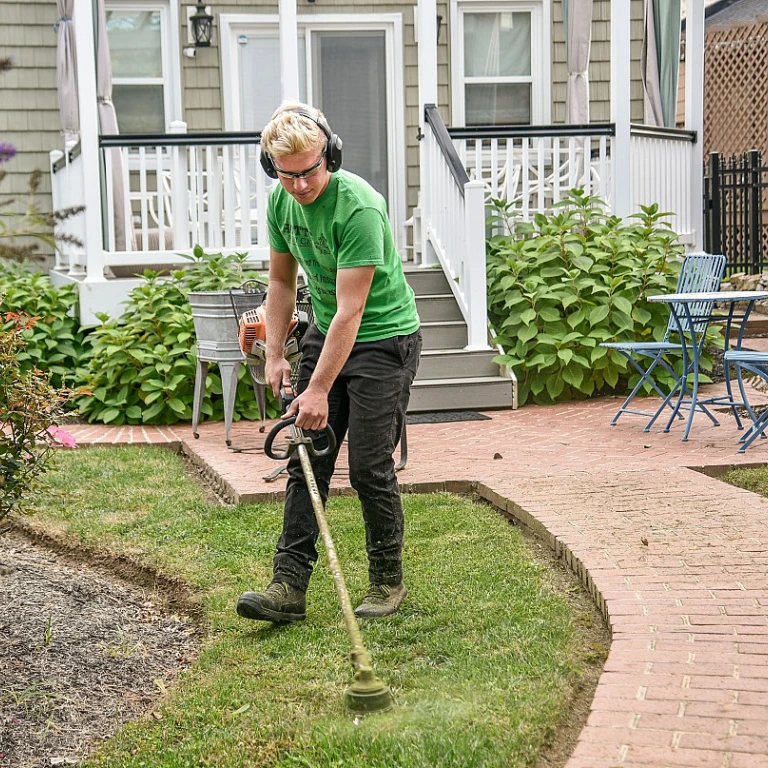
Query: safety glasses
x,y
301,174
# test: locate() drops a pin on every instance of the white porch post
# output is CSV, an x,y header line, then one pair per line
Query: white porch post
x,y
475,291
620,106
289,51
426,38
82,17
694,111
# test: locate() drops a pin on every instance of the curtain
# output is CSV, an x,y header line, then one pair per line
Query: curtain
x,y
660,61
577,16
108,126
66,71
497,45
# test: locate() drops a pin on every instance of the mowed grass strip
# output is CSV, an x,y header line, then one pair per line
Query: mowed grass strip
x,y
481,658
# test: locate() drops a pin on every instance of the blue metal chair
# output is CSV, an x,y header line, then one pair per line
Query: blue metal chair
x,y
756,363
699,272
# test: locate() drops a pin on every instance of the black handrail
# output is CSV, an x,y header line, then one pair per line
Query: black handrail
x,y
451,156
179,139
657,132
521,131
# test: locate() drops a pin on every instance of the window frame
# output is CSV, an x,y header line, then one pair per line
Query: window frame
x,y
170,53
541,56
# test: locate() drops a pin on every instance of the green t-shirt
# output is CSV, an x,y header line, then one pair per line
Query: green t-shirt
x,y
347,226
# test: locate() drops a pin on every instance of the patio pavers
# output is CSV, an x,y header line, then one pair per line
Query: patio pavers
x,y
675,559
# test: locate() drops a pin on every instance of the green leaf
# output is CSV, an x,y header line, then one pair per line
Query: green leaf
x,y
528,333
109,415
598,314
528,316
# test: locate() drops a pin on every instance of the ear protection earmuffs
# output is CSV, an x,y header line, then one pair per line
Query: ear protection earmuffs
x,y
332,147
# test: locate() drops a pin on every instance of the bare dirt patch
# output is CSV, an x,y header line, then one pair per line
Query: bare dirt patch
x,y
82,652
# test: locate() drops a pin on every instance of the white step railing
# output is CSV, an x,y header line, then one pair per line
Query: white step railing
x,y
68,191
533,167
452,222
168,193
660,173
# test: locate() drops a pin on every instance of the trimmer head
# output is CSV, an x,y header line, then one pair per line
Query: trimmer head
x,y
368,694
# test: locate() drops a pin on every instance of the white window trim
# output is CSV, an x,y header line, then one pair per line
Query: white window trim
x,y
170,53
391,24
541,55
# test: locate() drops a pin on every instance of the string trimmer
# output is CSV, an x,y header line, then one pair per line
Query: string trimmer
x,y
367,693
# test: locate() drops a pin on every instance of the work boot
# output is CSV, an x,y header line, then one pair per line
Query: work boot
x,y
381,600
278,602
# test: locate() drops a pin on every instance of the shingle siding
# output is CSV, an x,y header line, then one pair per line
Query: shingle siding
x,y
29,112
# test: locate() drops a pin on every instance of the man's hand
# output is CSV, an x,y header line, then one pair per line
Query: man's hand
x,y
277,371
310,409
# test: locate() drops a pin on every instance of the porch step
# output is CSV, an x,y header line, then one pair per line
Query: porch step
x,y
426,280
444,334
452,363
471,393
436,307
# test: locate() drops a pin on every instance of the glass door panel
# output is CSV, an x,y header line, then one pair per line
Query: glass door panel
x,y
349,84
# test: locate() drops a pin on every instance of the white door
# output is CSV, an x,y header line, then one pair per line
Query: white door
x,y
348,68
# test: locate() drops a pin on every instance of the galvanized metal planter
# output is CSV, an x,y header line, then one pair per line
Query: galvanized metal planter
x,y
216,332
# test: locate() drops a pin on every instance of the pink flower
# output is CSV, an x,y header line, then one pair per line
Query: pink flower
x,y
62,437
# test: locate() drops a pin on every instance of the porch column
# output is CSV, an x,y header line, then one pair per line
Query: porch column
x,y
694,111
82,17
289,51
426,39
620,107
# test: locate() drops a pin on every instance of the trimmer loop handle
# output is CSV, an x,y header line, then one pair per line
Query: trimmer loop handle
x,y
298,437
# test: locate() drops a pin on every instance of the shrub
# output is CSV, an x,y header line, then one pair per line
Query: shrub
x,y
142,367
572,279
55,343
29,409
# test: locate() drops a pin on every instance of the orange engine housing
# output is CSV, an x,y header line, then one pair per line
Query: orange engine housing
x,y
252,328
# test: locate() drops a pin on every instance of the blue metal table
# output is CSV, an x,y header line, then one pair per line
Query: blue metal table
x,y
692,313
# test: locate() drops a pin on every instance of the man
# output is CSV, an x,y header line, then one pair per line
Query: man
x,y
359,357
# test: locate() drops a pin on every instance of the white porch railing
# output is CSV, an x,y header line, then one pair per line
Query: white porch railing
x,y
661,166
533,167
171,192
68,190
453,226
163,194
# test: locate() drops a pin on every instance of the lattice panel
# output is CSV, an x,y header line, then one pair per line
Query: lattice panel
x,y
735,80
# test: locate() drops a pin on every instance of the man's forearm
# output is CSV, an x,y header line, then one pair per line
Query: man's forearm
x,y
281,302
338,344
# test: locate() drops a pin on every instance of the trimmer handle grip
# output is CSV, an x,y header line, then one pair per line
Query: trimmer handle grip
x,y
281,425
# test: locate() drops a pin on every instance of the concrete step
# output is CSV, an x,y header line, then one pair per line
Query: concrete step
x,y
436,307
427,280
444,334
455,363
474,393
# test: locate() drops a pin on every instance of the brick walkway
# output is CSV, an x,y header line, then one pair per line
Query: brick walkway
x,y
686,680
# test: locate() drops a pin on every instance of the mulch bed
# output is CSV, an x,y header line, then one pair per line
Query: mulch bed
x,y
81,653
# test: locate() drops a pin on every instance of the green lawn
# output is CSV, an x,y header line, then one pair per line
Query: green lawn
x,y
482,658
753,479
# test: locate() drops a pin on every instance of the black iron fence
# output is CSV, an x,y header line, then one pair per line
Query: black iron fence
x,y
736,210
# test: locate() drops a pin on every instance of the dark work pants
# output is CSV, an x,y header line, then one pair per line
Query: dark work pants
x,y
368,400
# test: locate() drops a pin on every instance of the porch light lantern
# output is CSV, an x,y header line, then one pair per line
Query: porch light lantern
x,y
202,26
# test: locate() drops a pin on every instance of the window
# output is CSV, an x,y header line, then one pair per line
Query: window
x,y
138,45
499,63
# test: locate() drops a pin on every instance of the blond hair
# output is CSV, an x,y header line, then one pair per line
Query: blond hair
x,y
289,132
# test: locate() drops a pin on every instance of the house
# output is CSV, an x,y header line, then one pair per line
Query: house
x,y
180,167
